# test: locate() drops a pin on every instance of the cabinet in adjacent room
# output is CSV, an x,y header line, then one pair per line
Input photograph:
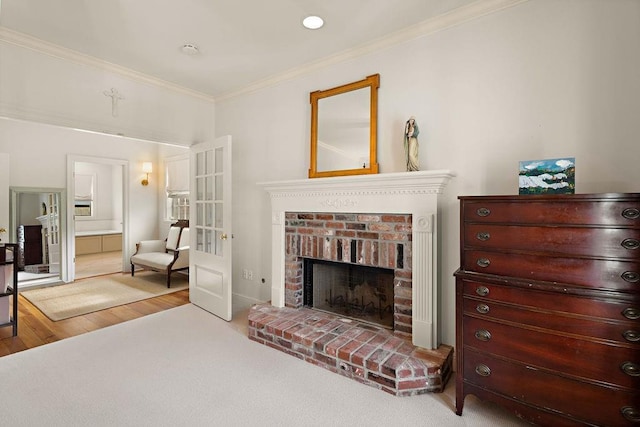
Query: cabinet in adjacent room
x,y
548,307
29,245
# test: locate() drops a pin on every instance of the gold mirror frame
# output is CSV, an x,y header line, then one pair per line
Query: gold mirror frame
x,y
371,82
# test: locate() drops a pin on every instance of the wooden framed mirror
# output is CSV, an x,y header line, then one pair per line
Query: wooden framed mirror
x,y
344,129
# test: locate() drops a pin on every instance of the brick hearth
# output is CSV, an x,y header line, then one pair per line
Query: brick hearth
x,y
372,355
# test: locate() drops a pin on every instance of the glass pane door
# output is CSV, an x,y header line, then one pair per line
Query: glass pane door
x,y
209,191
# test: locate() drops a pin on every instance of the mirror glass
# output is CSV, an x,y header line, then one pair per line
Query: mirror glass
x,y
344,129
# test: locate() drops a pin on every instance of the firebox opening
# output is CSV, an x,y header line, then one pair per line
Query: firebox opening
x,y
350,290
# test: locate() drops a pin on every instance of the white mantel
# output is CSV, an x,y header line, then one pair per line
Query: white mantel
x,y
414,193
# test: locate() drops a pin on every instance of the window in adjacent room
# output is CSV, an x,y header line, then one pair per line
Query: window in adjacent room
x,y
84,195
177,189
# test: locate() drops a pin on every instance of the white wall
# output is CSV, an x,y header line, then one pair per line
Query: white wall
x,y
66,88
542,79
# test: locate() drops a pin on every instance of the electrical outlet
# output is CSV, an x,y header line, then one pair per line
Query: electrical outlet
x,y
250,275
245,274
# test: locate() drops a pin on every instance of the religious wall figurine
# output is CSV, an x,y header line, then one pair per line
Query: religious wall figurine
x,y
411,144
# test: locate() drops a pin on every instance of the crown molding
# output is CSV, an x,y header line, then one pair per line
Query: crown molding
x,y
442,22
450,19
28,42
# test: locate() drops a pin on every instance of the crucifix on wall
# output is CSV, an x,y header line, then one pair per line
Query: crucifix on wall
x,y
115,97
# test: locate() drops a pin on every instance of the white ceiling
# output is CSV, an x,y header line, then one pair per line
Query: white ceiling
x,y
241,42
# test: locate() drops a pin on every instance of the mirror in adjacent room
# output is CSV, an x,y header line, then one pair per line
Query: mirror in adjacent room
x,y
344,129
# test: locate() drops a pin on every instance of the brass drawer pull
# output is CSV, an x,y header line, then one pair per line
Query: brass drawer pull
x,y
483,212
631,276
484,309
483,335
631,336
483,262
483,370
631,313
483,236
631,369
631,213
630,413
631,243
483,291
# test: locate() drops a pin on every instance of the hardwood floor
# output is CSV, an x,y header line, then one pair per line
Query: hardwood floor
x,y
35,329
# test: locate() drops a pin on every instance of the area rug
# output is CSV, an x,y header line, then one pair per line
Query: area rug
x,y
99,293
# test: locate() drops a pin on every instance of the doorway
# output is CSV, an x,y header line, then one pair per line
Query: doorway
x,y
35,223
97,216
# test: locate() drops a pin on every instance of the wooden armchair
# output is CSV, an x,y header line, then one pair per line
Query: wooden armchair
x,y
166,256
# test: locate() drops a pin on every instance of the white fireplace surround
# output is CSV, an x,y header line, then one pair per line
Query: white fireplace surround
x,y
414,193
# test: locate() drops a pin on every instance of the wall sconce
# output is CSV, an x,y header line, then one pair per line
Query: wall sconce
x,y
147,167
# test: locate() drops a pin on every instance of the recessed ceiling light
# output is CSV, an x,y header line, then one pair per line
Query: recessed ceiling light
x,y
313,22
189,49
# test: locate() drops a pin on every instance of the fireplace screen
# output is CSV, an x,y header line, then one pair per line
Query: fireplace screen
x,y
359,292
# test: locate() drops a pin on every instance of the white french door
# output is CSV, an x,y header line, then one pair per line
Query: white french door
x,y
210,227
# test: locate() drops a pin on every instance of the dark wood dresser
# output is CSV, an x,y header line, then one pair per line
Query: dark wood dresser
x,y
548,307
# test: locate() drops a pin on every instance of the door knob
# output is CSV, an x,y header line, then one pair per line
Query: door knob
x,y
223,236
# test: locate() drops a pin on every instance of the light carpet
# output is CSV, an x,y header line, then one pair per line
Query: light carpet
x,y
98,293
185,366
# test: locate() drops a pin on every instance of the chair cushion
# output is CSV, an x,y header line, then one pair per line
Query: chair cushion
x,y
172,238
153,260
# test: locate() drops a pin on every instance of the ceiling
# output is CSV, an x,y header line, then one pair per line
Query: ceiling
x,y
240,42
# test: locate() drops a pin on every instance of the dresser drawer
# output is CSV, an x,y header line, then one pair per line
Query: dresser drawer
x,y
607,308
582,327
573,241
599,405
575,357
547,211
592,273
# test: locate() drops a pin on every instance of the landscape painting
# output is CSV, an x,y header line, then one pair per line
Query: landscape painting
x,y
551,176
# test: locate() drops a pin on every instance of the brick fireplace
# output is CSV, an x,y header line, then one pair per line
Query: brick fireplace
x,y
373,240
383,220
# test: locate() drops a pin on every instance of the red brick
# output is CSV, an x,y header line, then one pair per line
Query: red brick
x,y
326,360
320,343
403,228
409,384
368,218
375,360
368,235
383,381
300,334
396,237
391,364
332,347
348,349
380,227
365,336
396,218
359,357
288,334
335,225
310,339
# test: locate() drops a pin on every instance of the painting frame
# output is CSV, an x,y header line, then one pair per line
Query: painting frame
x,y
547,176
